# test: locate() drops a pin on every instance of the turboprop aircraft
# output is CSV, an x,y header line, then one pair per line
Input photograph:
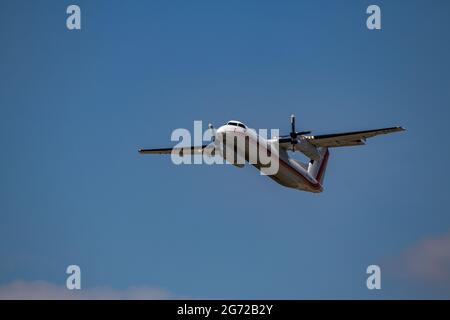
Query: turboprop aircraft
x,y
289,171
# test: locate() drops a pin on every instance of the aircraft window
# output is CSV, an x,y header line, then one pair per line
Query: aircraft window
x,y
241,125
232,124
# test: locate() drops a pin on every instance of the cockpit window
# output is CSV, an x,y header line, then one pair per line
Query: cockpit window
x,y
236,124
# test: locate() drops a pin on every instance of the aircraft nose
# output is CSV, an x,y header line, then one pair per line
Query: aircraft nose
x,y
221,129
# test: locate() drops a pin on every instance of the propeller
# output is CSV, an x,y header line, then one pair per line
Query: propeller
x,y
210,127
293,134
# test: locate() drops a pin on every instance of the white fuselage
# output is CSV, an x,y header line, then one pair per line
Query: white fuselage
x,y
290,172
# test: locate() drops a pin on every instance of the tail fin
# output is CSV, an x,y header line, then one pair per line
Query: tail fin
x,y
317,168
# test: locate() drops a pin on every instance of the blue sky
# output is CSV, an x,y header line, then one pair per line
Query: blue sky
x,y
76,105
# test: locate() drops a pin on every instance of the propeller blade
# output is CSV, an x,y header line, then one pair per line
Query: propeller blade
x,y
292,123
292,137
210,127
293,133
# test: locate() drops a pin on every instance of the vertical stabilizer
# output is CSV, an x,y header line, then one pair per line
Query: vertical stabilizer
x,y
317,168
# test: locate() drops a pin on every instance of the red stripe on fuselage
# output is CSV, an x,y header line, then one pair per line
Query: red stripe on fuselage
x,y
322,166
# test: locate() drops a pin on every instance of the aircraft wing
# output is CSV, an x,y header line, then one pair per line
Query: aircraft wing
x,y
345,139
180,151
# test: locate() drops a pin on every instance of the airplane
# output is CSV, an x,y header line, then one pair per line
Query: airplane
x,y
290,173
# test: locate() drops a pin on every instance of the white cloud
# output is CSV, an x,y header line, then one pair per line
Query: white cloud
x,y
40,290
427,262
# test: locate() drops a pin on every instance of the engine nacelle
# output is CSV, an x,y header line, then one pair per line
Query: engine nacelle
x,y
307,149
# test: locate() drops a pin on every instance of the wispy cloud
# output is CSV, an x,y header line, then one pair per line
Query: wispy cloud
x,y
40,290
426,262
